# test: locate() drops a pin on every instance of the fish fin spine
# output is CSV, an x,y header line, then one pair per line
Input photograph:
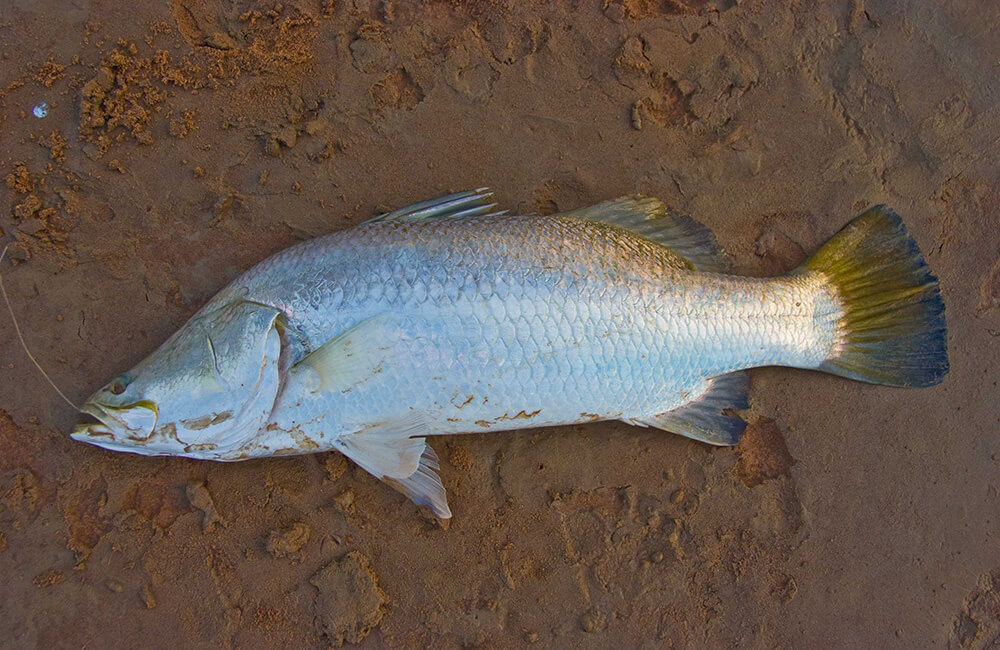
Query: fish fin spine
x,y
891,329
471,203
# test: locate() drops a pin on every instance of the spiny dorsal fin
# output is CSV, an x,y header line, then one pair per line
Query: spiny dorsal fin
x,y
648,218
471,203
703,418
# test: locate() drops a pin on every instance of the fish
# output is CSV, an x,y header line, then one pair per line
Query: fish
x,y
450,316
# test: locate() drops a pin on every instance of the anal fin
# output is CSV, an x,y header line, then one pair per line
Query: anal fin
x,y
704,417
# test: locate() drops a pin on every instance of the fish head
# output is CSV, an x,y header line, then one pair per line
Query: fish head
x,y
203,394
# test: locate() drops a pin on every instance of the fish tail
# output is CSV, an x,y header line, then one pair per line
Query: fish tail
x,y
891,328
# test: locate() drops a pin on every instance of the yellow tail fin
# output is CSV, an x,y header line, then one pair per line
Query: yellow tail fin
x,y
892,330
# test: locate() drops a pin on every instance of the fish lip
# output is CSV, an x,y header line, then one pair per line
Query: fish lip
x,y
86,432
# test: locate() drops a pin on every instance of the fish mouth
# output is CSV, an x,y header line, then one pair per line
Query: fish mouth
x,y
103,425
90,426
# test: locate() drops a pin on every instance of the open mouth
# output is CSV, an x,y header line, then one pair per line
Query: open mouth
x,y
90,426
127,429
99,423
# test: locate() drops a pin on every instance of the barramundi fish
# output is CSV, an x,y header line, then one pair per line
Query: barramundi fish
x,y
449,317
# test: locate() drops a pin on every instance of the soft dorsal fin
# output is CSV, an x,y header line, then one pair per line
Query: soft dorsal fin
x,y
471,203
703,418
648,218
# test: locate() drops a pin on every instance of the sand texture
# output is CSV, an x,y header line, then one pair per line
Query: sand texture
x,y
184,141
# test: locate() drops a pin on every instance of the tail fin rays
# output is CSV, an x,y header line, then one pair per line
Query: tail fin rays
x,y
893,327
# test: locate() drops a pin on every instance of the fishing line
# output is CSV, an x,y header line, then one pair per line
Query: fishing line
x,y
20,336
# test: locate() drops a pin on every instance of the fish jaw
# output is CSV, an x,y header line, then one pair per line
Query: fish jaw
x,y
100,435
95,435
128,429
106,431
135,422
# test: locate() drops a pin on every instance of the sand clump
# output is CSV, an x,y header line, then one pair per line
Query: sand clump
x,y
349,602
763,453
288,541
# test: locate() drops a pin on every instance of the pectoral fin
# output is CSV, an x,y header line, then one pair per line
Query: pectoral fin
x,y
353,356
390,452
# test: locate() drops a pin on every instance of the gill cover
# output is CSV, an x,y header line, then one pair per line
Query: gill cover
x,y
235,390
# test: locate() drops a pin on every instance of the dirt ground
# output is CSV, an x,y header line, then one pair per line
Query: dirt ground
x,y
185,141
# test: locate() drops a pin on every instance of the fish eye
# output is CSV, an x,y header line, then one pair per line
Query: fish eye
x,y
117,387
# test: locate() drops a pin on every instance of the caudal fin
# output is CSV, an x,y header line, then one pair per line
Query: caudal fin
x,y
892,329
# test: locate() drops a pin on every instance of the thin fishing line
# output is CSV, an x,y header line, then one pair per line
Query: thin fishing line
x,y
17,328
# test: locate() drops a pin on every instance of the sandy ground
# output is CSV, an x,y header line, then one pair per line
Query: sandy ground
x,y
186,141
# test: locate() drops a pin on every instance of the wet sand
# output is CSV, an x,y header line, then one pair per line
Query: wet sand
x,y
186,141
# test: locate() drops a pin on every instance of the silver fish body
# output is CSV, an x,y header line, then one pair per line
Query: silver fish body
x,y
440,319
546,321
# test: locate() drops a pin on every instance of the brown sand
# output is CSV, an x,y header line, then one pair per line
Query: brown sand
x,y
187,141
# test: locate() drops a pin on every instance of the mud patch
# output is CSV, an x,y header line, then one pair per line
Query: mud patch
x,y
642,9
156,501
763,453
349,602
397,91
977,627
84,520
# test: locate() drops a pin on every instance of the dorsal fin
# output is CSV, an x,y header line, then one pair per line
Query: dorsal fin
x,y
648,218
471,203
703,418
